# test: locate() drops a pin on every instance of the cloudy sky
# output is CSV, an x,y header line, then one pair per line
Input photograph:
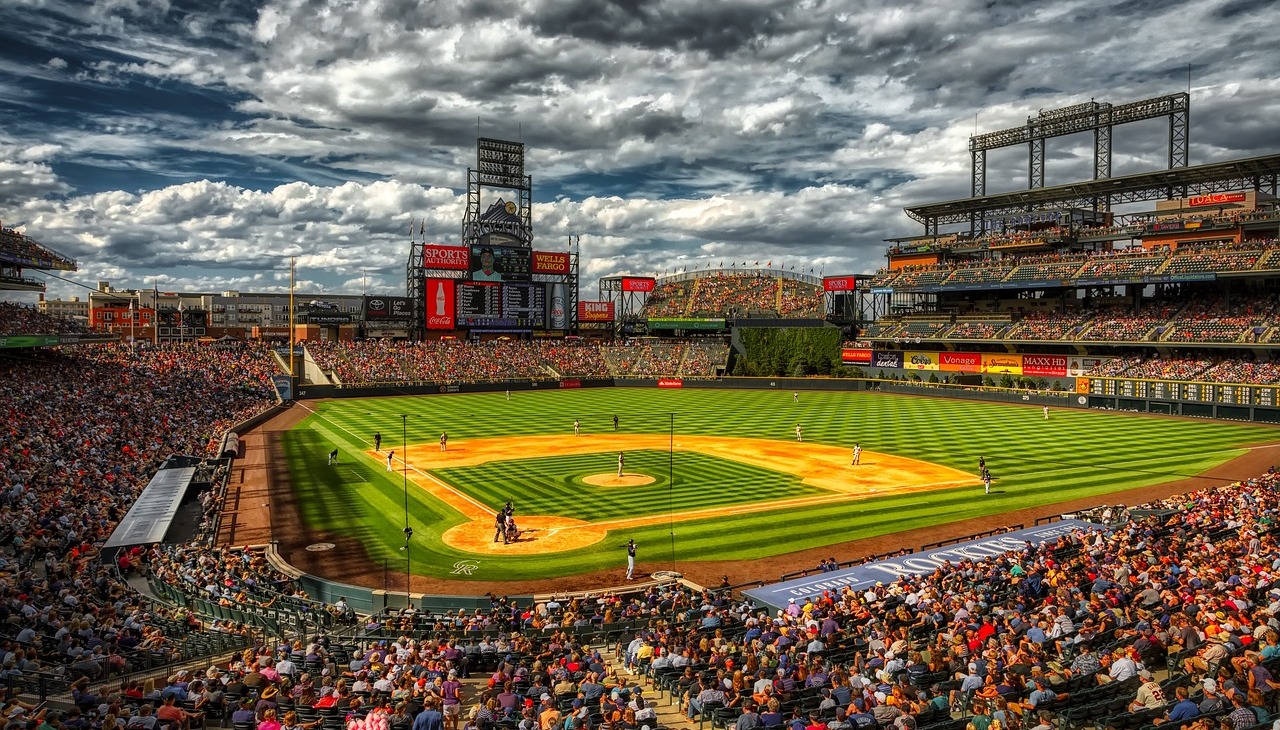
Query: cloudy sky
x,y
197,144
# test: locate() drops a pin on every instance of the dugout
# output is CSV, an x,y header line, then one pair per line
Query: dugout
x,y
169,508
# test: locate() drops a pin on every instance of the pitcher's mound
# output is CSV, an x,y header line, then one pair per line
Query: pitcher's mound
x,y
537,535
613,480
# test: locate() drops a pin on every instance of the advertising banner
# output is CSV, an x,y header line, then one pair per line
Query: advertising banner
x,y
571,383
1078,366
839,283
446,257
638,284
595,312
440,304
380,308
886,359
921,563
1004,364
670,382
1053,366
284,386
1082,385
1215,199
686,323
959,362
559,319
920,360
855,356
550,262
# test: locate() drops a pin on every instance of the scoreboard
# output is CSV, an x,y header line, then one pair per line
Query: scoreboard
x,y
1193,392
478,303
524,305
508,306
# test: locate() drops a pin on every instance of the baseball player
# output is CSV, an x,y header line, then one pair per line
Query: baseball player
x,y
857,454
798,436
631,558
333,457
577,428
444,440
377,441
621,462
390,455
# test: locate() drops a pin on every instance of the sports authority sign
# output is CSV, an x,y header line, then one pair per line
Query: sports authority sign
x,y
457,258
595,311
775,596
1195,201
638,284
839,283
550,262
441,298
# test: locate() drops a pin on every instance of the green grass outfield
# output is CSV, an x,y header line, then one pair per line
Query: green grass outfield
x,y
1077,453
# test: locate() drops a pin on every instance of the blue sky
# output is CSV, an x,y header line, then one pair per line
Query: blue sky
x,y
198,145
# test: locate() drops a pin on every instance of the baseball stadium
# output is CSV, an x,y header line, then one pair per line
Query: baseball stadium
x,y
1051,416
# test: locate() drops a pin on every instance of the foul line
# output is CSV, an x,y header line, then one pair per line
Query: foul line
x,y
484,510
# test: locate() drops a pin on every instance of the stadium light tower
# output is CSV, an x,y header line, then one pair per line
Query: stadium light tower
x,y
408,531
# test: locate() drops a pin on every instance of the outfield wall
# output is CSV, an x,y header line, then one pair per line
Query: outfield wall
x,y
1067,398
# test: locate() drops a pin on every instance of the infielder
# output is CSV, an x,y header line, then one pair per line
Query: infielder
x,y
857,454
390,455
577,428
444,440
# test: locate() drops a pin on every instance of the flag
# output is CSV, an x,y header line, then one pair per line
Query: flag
x,y
422,229
411,219
769,265
756,263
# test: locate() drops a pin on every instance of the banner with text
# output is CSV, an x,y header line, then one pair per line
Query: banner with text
x,y
382,308
1050,366
1006,364
595,311
670,382
855,356
550,262
1078,366
959,362
920,360
839,283
1216,199
441,296
686,323
886,359
446,257
776,596
638,283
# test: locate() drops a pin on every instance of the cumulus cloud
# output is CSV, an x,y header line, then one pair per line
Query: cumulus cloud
x,y
211,146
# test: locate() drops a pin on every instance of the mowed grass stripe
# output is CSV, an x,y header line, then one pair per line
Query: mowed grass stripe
x,y
1075,453
553,485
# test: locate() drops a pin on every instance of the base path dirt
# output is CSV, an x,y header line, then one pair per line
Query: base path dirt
x,y
347,562
827,468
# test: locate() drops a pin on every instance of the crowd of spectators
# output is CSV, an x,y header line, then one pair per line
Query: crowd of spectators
x,y
1203,368
26,250
85,430
1123,323
20,319
736,294
375,361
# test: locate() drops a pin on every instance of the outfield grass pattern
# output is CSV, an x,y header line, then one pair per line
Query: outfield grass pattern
x,y
1074,454
553,486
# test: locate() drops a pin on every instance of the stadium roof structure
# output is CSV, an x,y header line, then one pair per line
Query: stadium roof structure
x,y
1256,173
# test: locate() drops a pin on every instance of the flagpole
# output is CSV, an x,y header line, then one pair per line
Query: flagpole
x,y
292,259
133,343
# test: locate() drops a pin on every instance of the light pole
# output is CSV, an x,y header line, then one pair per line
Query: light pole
x,y
408,531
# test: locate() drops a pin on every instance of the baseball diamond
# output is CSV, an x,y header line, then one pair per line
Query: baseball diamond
x,y
718,475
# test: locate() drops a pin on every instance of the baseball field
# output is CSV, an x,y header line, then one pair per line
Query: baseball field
x,y
708,475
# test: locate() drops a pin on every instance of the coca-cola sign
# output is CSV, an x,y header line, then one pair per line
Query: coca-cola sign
x,y
440,303
446,257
